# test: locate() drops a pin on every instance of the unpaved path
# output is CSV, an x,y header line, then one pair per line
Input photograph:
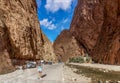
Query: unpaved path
x,y
54,74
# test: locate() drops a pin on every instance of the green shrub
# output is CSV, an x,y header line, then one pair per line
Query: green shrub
x,y
81,59
77,60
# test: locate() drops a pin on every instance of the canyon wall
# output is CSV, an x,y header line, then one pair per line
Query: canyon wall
x,y
20,34
96,26
107,48
87,22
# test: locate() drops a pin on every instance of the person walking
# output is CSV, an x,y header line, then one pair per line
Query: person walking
x,y
39,71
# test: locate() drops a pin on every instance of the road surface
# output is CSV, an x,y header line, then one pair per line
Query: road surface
x,y
54,74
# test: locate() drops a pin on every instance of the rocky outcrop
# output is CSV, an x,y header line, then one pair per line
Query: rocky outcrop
x,y
107,49
96,27
20,34
66,46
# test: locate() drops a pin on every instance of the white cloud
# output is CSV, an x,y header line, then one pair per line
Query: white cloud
x,y
38,3
55,5
47,24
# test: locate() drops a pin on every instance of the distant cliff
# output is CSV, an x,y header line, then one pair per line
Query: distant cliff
x,y
20,34
66,46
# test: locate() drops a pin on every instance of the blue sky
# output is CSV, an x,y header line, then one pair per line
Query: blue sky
x,y
55,16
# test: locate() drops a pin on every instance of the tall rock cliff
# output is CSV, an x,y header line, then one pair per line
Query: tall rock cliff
x,y
20,34
66,46
87,22
96,26
107,49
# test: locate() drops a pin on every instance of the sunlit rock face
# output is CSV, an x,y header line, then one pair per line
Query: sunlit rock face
x,y
20,34
107,49
66,46
19,19
96,26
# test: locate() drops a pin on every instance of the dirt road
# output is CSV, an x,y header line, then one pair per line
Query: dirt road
x,y
54,74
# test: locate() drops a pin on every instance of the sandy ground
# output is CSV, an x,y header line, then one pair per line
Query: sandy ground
x,y
57,73
101,66
54,74
71,77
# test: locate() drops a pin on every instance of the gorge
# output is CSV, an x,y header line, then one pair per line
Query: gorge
x,y
94,30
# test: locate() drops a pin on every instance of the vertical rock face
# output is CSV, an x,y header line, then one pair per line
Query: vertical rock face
x,y
66,46
20,34
96,26
19,19
87,22
107,49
